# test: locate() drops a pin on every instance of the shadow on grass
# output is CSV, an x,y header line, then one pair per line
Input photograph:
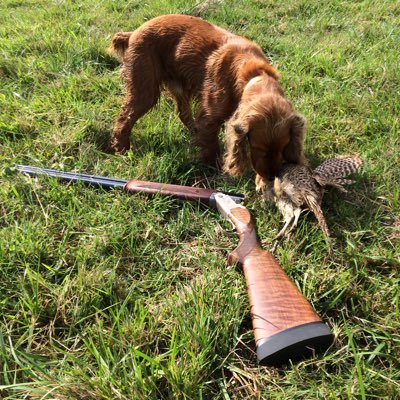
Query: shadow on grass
x,y
187,166
356,210
96,134
19,131
104,61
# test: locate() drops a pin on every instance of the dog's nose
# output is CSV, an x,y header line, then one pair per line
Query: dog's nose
x,y
269,177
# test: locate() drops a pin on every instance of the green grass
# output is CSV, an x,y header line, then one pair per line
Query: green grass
x,y
110,296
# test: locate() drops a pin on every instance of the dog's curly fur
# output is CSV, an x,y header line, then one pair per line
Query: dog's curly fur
x,y
227,75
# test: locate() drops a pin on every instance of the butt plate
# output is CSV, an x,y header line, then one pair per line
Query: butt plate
x,y
294,344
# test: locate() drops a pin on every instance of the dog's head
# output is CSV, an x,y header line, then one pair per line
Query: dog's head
x,y
265,133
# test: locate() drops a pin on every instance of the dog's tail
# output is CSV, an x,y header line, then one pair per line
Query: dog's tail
x,y
120,43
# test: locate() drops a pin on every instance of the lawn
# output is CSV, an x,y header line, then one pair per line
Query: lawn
x,y
105,295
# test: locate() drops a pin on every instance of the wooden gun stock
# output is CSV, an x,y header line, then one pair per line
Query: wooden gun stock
x,y
285,325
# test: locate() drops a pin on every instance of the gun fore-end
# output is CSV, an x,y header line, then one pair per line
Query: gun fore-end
x,y
187,193
285,325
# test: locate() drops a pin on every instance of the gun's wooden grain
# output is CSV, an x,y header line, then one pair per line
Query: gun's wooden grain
x,y
166,189
276,304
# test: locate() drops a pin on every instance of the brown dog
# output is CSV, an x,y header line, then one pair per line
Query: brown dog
x,y
230,79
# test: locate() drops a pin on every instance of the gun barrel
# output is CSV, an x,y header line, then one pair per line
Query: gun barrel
x,y
92,180
203,195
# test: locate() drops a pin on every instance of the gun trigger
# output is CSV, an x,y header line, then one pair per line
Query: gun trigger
x,y
232,224
233,258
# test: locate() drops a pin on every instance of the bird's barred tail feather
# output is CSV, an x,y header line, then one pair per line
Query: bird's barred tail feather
x,y
339,167
332,172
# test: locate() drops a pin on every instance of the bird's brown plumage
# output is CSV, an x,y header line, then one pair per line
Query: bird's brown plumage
x,y
298,187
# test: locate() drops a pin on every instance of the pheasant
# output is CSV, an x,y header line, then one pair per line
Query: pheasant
x,y
298,187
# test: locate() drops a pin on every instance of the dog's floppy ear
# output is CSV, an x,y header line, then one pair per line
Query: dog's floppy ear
x,y
236,159
294,150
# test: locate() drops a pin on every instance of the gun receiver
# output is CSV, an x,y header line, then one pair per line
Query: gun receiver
x,y
285,325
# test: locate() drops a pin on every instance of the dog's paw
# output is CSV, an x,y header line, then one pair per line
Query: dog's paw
x,y
264,187
118,146
261,185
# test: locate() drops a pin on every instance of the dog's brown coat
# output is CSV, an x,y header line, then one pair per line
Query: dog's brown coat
x,y
197,60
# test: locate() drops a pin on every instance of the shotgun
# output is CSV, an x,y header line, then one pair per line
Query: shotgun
x,y
285,325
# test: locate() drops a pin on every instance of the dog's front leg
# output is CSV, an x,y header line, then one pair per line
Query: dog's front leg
x,y
206,131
